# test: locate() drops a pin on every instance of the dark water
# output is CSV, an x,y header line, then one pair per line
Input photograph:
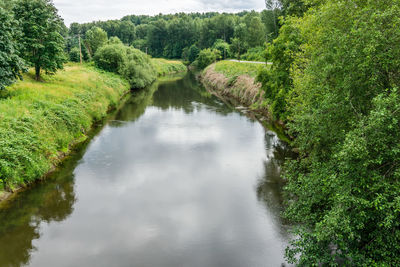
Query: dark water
x,y
174,178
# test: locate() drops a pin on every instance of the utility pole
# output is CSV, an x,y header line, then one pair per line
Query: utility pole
x,y
80,48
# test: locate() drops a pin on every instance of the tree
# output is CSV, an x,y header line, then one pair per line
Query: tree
x,y
295,7
193,53
271,23
157,37
255,34
273,6
277,82
222,47
11,65
94,39
343,190
138,70
41,40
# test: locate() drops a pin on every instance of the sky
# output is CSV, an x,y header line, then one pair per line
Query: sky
x,y
91,10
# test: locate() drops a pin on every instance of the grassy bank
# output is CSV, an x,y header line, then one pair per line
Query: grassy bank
x,y
235,80
166,67
39,121
233,69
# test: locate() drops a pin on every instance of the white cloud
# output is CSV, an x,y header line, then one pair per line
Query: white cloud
x,y
91,10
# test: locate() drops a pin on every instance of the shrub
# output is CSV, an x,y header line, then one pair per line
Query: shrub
x,y
111,57
138,69
207,57
74,55
255,54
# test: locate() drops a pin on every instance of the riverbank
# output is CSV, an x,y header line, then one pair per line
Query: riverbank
x,y
236,82
42,121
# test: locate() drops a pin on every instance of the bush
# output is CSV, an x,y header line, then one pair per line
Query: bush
x,y
74,55
138,69
131,63
255,54
111,57
165,67
207,57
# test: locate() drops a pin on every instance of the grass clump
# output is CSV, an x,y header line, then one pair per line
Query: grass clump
x,y
38,120
166,67
234,69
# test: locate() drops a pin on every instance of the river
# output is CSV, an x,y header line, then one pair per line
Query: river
x,y
175,177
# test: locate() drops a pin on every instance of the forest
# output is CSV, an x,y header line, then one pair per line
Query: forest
x,y
184,35
333,83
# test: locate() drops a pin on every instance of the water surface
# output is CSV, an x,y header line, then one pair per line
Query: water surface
x,y
174,178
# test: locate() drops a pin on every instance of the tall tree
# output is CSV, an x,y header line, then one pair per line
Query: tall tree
x,y
255,31
41,40
94,39
273,5
11,65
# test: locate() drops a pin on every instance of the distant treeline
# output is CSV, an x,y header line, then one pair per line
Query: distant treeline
x,y
184,35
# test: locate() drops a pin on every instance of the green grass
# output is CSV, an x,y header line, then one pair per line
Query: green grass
x,y
166,67
234,69
39,120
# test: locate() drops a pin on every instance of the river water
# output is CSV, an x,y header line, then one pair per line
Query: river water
x,y
174,178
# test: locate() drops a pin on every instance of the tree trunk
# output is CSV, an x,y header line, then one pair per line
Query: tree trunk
x,y
37,73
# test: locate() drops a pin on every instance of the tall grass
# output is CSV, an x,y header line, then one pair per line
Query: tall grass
x,y
40,120
165,67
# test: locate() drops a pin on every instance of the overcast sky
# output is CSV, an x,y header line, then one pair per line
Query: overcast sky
x,y
90,10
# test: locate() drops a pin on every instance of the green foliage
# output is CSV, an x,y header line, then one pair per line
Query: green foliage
x,y
74,55
206,57
11,65
94,39
114,40
181,34
222,47
254,33
193,53
237,47
138,68
35,127
344,109
271,22
131,63
166,67
277,82
221,27
255,54
295,8
140,44
111,57
170,36
41,40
